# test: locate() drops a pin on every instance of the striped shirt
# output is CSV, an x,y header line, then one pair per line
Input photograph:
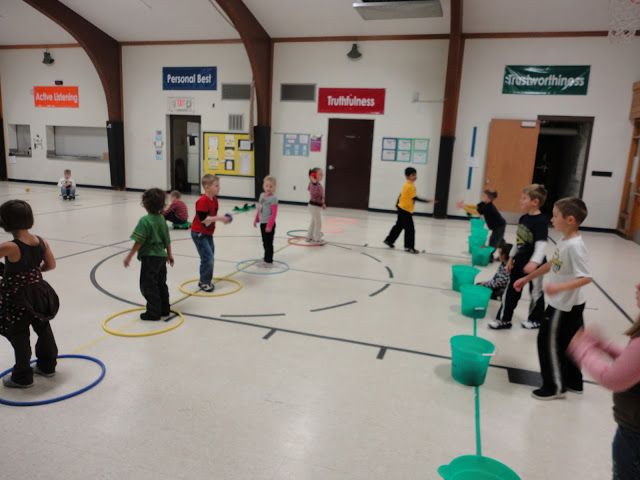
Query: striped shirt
x,y
179,208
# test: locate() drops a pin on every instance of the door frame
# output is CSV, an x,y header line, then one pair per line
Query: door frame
x,y
171,164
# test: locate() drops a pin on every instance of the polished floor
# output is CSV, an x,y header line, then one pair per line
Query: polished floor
x,y
337,368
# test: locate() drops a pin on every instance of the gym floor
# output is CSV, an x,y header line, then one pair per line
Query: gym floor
x,y
337,368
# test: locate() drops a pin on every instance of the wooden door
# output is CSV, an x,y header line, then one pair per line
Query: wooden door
x,y
511,158
629,219
349,163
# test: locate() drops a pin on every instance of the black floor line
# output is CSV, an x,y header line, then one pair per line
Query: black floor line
x,y
85,208
380,290
366,245
255,315
371,256
269,334
334,306
390,271
381,353
92,250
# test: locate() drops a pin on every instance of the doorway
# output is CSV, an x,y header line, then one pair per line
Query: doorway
x,y
349,148
184,166
561,157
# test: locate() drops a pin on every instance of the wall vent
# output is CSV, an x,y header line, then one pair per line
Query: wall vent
x,y
236,122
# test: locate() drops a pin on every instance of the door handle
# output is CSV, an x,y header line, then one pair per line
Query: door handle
x,y
331,167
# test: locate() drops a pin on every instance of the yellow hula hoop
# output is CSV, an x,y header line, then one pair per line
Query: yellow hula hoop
x,y
212,294
119,333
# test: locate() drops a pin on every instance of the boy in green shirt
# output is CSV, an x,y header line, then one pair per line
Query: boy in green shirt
x,y
153,246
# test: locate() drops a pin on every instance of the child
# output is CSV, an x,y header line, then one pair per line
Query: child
x,y
203,226
618,369
177,212
486,208
67,186
153,246
26,299
405,207
501,279
531,242
568,273
266,217
316,205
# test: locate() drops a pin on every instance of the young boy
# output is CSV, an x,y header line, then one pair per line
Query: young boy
x,y
266,217
316,205
203,226
177,212
500,280
486,208
405,206
67,186
153,246
568,273
531,240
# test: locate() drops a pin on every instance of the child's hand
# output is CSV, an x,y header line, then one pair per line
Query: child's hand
x,y
268,229
519,284
552,288
460,204
127,261
255,223
509,265
530,267
324,206
170,260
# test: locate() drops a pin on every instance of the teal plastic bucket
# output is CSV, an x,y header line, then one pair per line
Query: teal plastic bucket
x,y
477,223
476,242
481,255
476,467
470,359
475,300
462,275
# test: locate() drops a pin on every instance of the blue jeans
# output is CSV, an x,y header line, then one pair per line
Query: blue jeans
x,y
68,191
626,454
206,249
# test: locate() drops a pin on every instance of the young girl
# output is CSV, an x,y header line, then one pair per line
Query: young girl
x,y
316,204
25,298
500,280
266,217
618,369
486,208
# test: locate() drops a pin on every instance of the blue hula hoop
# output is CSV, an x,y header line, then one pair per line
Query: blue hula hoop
x,y
103,371
246,270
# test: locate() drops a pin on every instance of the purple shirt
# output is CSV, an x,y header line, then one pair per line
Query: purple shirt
x,y
316,194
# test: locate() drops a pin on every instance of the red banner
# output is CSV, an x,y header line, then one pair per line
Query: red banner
x,y
351,100
57,97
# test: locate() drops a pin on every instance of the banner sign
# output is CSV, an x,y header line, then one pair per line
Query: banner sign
x,y
189,78
546,79
56,97
351,100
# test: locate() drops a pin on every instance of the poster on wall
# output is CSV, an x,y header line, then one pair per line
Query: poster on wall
x,y
546,79
189,78
295,144
351,100
56,97
158,144
413,150
227,153
316,143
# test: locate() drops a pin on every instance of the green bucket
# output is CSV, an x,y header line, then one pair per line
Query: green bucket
x,y
476,242
470,359
475,300
481,255
462,275
477,223
476,467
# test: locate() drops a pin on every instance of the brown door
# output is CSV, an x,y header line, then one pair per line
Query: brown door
x,y
629,219
349,162
511,158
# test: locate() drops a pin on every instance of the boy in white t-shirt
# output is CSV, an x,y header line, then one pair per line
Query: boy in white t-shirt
x,y
67,186
568,273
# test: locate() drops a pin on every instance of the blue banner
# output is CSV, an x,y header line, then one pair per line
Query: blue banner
x,y
189,78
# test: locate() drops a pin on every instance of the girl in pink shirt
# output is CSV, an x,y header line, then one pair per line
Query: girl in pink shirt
x,y
618,369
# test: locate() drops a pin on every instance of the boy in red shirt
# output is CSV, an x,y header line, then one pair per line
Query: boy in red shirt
x,y
177,212
203,226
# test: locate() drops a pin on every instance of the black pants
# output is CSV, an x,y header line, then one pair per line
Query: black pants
x,y
557,330
497,236
46,351
153,285
173,218
511,297
267,241
404,222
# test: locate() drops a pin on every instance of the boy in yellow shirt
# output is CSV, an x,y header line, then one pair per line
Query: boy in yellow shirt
x,y
405,206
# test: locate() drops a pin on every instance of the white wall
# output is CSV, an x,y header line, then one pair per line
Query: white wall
x,y
145,106
402,68
20,71
614,68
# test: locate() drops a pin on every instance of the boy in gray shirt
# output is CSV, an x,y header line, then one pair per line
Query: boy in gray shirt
x,y
266,217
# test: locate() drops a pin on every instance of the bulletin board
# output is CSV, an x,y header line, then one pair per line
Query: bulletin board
x,y
230,154
410,150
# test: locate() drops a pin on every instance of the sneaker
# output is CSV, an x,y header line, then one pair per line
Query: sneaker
x,y
267,264
38,371
9,383
542,394
65,197
529,325
166,313
206,287
411,250
499,325
578,390
388,243
72,197
146,316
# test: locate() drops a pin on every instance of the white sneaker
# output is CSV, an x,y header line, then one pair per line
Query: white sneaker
x,y
529,325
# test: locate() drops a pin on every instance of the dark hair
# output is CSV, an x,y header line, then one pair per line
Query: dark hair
x,y
409,171
16,215
505,249
313,172
572,207
175,193
67,170
536,191
492,194
153,200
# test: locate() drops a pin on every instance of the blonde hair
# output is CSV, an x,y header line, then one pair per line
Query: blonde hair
x,y
270,178
536,191
209,179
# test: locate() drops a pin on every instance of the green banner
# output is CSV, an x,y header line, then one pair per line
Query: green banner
x,y
546,79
